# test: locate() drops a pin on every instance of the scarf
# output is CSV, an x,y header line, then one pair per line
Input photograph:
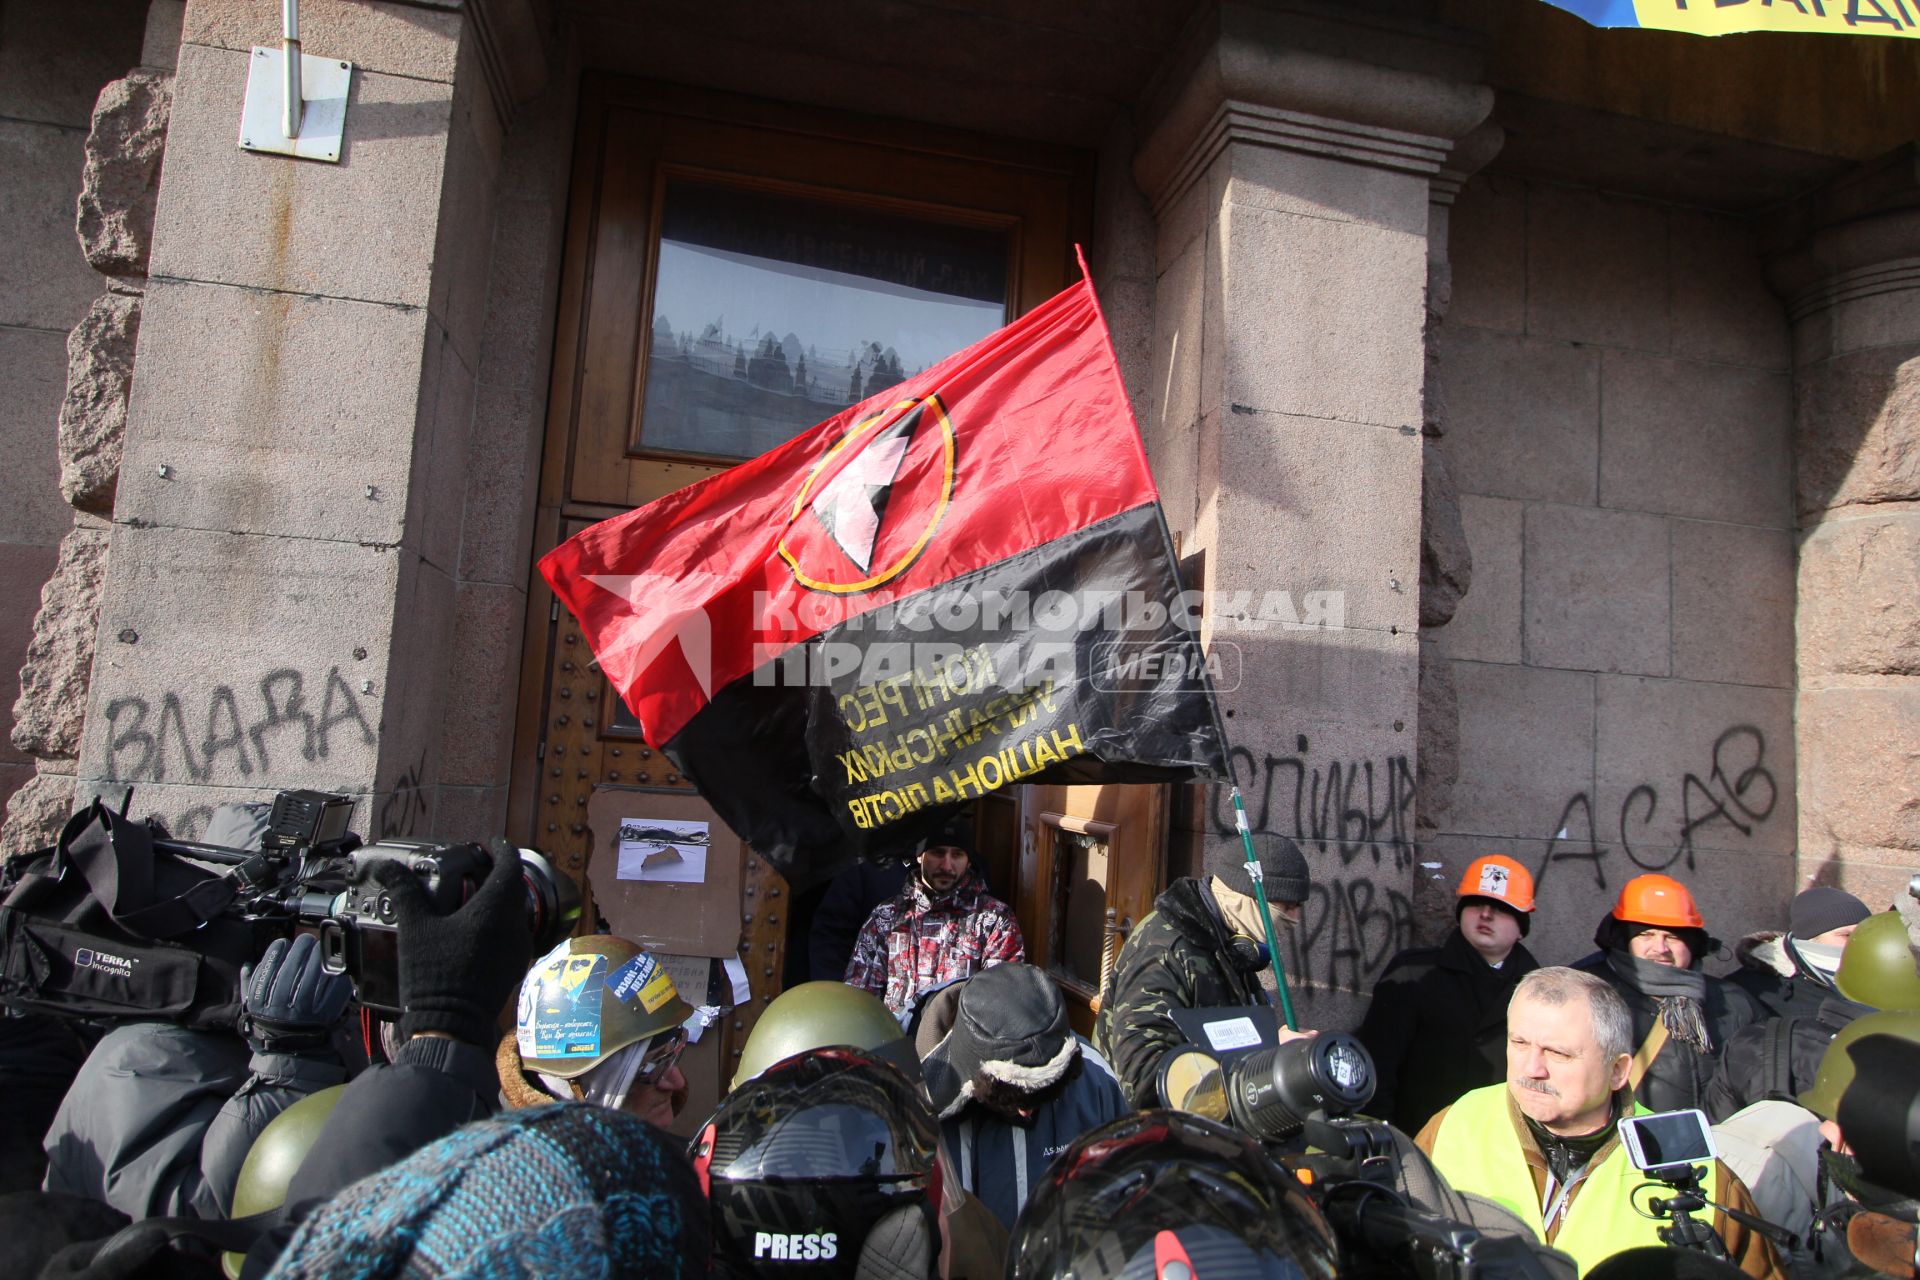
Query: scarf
x,y
1816,962
1567,1156
1680,994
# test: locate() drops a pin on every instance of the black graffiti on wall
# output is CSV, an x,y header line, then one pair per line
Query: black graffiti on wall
x,y
1657,830
402,812
163,743
1345,806
1349,928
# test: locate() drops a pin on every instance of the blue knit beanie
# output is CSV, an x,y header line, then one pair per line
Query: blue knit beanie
x,y
563,1192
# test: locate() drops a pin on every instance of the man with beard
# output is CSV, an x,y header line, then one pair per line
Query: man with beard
x,y
941,927
1652,946
1546,1144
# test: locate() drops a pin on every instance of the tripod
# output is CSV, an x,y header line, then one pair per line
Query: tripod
x,y
1683,1230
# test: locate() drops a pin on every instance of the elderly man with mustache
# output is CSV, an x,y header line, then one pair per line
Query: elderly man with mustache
x,y
1546,1144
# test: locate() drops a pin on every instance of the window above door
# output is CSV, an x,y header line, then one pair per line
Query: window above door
x,y
739,270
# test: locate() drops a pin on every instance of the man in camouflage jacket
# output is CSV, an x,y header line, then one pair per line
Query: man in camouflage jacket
x,y
1200,947
942,926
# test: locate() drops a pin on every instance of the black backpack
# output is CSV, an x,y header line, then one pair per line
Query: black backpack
x,y
109,925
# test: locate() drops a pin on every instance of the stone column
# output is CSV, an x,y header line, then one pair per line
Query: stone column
x,y
1290,166
120,178
1851,278
279,600
1446,560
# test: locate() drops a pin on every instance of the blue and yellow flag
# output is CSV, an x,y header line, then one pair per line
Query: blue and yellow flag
x,y
1724,17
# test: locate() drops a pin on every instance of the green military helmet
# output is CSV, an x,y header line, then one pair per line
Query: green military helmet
x,y
587,999
1877,967
274,1157
1836,1067
815,1015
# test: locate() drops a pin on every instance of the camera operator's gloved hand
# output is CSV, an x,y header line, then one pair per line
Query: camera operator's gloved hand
x,y
457,971
288,1000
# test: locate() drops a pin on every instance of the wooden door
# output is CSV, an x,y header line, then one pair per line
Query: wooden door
x,y
643,402
1091,861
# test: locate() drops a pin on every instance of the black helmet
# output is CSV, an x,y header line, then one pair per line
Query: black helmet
x,y
1163,1195
802,1161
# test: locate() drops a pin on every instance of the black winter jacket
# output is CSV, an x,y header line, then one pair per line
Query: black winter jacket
x,y
850,898
1179,957
160,1118
39,1057
1437,1027
1748,1073
1679,1076
1770,974
385,1115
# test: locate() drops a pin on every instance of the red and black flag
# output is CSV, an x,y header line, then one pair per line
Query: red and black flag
x,y
959,584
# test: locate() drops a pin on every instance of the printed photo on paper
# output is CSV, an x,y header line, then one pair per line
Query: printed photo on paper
x,y
663,851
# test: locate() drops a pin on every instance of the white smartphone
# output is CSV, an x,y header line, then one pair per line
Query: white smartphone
x,y
1668,1138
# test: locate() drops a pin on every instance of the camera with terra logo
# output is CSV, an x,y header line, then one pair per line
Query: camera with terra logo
x,y
117,921
325,882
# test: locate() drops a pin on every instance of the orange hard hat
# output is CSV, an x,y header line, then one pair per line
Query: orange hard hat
x,y
1660,901
1500,878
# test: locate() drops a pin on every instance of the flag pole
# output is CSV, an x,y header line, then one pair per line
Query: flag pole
x,y
1255,872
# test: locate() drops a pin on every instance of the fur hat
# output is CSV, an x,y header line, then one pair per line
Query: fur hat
x,y
1282,865
1009,1037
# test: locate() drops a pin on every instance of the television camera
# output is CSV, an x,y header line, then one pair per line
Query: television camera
x,y
97,943
1300,1099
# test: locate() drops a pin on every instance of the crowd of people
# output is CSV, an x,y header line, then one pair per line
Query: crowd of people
x,y
934,1113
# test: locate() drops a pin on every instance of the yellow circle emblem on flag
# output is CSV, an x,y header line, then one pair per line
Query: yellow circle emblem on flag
x,y
839,538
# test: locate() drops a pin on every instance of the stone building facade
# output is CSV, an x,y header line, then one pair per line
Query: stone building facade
x,y
1580,366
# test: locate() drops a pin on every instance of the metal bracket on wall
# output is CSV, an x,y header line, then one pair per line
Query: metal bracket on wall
x,y
322,85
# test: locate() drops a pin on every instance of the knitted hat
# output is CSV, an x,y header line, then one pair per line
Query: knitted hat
x,y
1285,868
1822,908
955,833
1010,1035
570,1189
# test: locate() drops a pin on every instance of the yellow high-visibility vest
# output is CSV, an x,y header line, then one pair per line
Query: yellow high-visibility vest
x,y
1478,1150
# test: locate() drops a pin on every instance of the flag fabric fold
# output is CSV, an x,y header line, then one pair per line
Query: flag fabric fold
x,y
962,583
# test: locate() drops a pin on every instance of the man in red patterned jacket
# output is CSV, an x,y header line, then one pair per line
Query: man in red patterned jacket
x,y
942,926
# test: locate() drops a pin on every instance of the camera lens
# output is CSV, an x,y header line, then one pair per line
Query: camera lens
x,y
553,900
1273,1092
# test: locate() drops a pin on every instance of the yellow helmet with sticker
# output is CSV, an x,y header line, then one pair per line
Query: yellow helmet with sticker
x,y
591,997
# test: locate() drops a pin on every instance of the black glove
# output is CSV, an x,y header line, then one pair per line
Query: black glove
x,y
458,971
289,1001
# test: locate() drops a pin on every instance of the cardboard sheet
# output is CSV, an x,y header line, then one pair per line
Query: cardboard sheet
x,y
699,918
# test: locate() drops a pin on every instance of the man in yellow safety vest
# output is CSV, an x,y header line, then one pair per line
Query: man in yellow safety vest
x,y
1546,1144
